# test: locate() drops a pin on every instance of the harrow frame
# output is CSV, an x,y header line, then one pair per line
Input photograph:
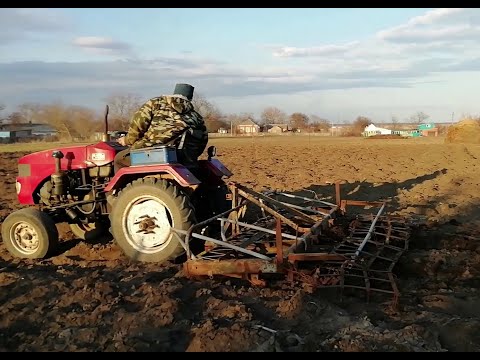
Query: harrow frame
x,y
292,240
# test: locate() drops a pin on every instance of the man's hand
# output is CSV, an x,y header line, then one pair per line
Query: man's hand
x,y
121,141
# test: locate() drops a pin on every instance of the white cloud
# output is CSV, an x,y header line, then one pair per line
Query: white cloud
x,y
287,51
103,45
416,35
436,15
17,24
437,38
436,25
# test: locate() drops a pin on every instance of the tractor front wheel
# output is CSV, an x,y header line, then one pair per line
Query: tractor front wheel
x,y
29,233
144,214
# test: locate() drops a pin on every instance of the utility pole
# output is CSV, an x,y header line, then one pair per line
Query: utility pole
x,y
452,116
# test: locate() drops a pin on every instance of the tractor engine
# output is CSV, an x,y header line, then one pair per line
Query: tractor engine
x,y
76,193
67,186
68,182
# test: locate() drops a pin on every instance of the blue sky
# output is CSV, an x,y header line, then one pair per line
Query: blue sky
x,y
335,63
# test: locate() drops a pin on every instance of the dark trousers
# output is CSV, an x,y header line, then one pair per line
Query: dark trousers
x,y
122,159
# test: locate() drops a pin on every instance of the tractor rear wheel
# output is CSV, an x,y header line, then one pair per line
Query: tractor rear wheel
x,y
29,233
142,217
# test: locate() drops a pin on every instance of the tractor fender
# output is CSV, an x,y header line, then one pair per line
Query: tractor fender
x,y
216,167
180,173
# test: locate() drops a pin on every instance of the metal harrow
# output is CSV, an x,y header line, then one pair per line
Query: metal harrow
x,y
292,237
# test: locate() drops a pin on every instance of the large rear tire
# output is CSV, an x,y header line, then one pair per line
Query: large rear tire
x,y
142,217
30,234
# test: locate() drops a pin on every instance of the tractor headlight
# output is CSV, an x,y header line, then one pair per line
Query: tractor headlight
x,y
18,186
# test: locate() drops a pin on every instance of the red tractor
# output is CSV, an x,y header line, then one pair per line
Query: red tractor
x,y
138,204
158,209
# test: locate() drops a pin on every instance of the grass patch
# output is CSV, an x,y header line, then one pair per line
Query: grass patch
x,y
36,146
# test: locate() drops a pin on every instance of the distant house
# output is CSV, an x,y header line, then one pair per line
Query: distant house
x,y
277,128
25,131
43,130
248,126
428,129
372,130
407,133
10,136
421,130
35,129
222,131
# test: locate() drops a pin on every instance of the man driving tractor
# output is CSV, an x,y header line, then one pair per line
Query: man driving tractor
x,y
166,120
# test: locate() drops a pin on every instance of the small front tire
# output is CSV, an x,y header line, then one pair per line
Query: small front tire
x,y
29,234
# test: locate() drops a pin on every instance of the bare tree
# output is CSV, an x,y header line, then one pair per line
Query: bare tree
x,y
299,120
56,115
273,115
394,122
81,121
211,114
419,117
203,106
122,107
2,107
359,125
69,121
319,124
15,118
29,112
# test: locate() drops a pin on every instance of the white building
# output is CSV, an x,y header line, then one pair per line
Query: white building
x,y
372,130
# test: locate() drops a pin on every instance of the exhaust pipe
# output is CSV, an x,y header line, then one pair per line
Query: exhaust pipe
x,y
106,136
57,177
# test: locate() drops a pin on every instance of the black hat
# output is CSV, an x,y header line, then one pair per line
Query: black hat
x,y
185,90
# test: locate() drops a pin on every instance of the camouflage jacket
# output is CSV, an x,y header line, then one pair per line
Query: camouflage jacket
x,y
163,120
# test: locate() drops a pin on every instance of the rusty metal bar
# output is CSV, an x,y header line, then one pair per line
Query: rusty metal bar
x,y
315,257
313,230
298,207
363,203
245,191
338,194
225,244
279,243
372,227
235,201
227,266
389,231
302,198
202,223
286,220
259,228
192,256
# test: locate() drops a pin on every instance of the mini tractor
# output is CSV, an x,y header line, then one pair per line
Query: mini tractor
x,y
160,208
138,204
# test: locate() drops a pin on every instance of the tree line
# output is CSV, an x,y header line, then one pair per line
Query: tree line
x,y
71,121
